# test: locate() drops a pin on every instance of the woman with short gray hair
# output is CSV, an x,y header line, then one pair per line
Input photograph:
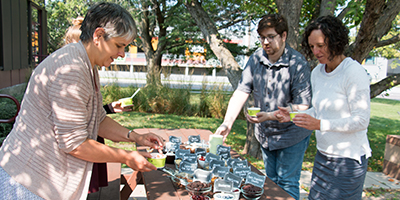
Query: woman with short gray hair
x,y
115,20
51,149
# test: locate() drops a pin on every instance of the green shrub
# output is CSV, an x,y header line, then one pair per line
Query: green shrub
x,y
203,109
166,100
217,103
114,92
180,102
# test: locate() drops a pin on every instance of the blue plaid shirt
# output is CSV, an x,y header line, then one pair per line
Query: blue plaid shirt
x,y
273,85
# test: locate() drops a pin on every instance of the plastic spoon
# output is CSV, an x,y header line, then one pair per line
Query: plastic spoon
x,y
135,93
172,175
291,108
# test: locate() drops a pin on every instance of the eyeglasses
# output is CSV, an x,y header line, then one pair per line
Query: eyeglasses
x,y
270,38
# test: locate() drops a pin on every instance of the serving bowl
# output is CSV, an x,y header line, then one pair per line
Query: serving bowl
x,y
252,192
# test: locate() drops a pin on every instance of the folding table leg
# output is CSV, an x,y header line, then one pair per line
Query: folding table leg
x,y
130,182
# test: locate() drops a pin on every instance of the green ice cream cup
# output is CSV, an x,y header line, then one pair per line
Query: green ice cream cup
x,y
126,102
293,114
157,159
253,111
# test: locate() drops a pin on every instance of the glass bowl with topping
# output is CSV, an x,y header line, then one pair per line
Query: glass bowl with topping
x,y
199,190
252,192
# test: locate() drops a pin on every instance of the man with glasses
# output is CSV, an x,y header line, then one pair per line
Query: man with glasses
x,y
277,75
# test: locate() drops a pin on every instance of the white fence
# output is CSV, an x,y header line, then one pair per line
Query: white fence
x,y
196,82
191,73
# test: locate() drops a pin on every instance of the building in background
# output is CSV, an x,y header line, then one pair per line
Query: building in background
x,y
377,68
191,62
23,40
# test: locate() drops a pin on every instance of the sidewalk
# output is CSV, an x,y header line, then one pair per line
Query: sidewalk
x,y
374,180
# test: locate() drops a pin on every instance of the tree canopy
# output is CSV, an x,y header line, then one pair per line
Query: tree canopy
x,y
173,23
59,17
372,18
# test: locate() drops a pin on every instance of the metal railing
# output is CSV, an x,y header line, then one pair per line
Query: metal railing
x,y
18,107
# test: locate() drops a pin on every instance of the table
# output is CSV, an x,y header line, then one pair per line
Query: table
x,y
159,186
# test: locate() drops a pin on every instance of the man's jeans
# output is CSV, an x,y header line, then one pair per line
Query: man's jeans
x,y
283,166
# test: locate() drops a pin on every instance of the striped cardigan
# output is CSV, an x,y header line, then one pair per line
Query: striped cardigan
x,y
62,107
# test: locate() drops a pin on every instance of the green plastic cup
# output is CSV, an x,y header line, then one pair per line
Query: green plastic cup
x,y
157,159
293,114
253,111
126,102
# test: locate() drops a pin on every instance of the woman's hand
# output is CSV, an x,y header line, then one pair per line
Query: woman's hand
x,y
151,140
282,115
306,121
93,151
138,162
118,108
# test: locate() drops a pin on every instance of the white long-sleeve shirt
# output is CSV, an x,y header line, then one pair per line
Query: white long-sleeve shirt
x,y
341,100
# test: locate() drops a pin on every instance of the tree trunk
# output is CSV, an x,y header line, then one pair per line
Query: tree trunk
x,y
377,21
327,7
153,64
252,146
153,71
211,35
291,9
366,37
153,76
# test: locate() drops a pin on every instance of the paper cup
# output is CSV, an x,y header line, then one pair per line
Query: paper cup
x,y
157,159
214,141
126,102
253,111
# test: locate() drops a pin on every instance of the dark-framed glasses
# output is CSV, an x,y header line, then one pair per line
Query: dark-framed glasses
x,y
270,38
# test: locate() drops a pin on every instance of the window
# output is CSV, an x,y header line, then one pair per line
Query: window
x,y
37,34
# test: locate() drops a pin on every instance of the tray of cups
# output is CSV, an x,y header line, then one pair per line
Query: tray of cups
x,y
225,177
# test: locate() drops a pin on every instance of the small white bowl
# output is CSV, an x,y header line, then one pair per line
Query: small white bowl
x,y
223,196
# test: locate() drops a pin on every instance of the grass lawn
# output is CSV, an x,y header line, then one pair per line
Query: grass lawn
x,y
384,121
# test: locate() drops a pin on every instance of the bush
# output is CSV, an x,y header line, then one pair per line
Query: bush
x,y
166,100
163,100
217,103
114,92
